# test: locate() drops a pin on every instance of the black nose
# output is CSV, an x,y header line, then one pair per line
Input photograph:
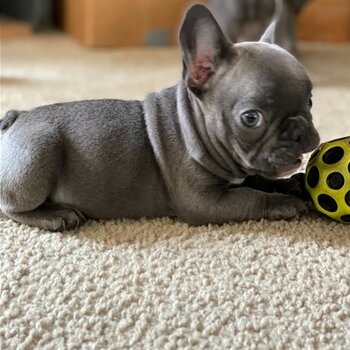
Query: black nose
x,y
292,132
301,131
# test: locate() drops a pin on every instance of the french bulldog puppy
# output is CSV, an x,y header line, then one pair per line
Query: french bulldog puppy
x,y
246,20
241,112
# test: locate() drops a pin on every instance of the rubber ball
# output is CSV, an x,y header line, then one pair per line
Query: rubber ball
x,y
328,179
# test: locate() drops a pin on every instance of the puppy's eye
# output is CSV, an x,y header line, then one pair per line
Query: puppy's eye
x,y
251,119
310,103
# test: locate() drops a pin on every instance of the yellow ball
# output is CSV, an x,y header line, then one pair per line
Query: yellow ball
x,y
328,179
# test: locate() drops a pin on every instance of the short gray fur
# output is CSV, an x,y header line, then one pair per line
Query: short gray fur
x,y
181,152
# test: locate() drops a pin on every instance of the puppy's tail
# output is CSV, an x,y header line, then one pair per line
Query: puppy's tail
x,y
270,34
8,120
279,8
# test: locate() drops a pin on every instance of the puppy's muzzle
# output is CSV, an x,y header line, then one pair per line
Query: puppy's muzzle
x,y
301,133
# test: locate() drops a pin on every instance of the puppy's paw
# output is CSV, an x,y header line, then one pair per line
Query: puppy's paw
x,y
295,186
286,207
51,217
67,219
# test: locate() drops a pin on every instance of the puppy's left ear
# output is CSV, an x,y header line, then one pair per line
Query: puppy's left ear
x,y
204,46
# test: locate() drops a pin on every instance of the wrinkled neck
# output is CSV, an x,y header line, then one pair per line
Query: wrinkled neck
x,y
201,142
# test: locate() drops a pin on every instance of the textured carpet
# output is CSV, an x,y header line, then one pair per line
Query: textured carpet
x,y
160,284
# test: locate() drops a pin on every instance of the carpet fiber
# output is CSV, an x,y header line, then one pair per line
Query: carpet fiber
x,y
160,284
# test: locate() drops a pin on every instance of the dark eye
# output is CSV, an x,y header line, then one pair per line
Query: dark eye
x,y
251,119
310,103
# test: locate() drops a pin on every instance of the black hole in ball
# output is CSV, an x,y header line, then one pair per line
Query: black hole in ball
x,y
347,198
313,177
345,218
335,181
349,167
327,203
333,155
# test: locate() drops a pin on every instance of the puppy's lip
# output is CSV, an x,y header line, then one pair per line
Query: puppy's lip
x,y
296,163
292,166
287,170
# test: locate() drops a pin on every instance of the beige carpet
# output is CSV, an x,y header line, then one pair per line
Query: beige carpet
x,y
161,284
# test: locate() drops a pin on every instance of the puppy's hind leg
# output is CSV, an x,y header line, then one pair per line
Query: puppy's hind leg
x,y
30,159
51,217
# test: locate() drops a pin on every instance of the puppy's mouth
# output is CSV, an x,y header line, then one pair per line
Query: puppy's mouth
x,y
285,170
290,169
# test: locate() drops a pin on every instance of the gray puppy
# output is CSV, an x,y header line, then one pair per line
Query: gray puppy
x,y
246,20
241,112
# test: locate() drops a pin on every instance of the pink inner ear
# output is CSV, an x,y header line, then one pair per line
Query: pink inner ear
x,y
201,70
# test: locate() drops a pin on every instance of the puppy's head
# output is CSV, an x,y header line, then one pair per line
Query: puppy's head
x,y
255,97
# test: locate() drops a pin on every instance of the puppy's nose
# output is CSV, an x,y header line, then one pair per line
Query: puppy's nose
x,y
299,130
292,130
291,133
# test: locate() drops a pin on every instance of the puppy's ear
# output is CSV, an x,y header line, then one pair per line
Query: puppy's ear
x,y
204,46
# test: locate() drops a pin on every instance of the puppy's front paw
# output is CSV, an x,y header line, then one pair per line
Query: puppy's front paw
x,y
286,207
